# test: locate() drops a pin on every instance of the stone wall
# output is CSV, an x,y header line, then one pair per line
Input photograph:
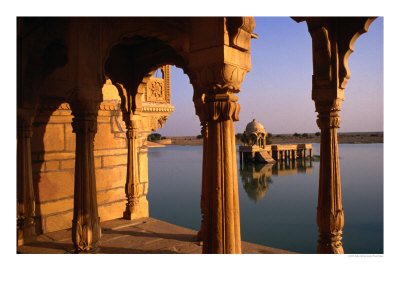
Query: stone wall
x,y
53,161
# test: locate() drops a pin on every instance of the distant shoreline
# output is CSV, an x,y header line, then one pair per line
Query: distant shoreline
x,y
343,138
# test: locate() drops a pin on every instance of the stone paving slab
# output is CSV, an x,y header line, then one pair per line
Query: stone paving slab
x,y
142,236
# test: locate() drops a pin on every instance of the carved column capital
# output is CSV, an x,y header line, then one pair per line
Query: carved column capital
x,y
131,132
85,116
218,107
328,122
219,77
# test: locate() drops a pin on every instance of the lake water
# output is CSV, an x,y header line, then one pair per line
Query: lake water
x,y
277,204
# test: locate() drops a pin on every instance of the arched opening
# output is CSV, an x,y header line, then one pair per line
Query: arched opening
x,y
176,165
140,67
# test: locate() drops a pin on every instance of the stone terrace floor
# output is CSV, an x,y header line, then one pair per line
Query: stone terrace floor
x,y
142,236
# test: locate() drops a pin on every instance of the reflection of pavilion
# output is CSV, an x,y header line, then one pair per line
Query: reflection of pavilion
x,y
256,177
291,167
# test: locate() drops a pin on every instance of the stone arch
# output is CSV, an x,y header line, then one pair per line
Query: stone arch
x,y
167,30
134,73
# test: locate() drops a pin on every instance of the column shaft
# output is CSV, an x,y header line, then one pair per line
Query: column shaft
x,y
25,195
132,182
221,200
330,216
86,231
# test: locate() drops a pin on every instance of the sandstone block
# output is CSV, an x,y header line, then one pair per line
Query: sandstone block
x,y
56,206
48,138
68,164
111,211
105,139
108,178
110,195
59,155
67,119
114,160
58,222
55,185
52,165
111,152
70,138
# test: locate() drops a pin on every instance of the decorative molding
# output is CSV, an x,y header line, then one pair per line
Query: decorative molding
x,y
158,108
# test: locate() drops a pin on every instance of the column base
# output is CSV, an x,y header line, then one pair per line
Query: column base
x,y
86,235
140,209
26,234
330,243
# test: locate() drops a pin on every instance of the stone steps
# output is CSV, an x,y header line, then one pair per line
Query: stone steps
x,y
263,156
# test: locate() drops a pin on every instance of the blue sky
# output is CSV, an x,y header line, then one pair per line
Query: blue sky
x,y
277,91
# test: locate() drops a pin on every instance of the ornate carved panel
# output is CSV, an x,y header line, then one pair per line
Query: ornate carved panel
x,y
158,89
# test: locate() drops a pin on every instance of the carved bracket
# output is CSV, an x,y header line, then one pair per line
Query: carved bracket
x,y
239,30
332,42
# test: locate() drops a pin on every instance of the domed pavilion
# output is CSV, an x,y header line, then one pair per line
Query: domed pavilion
x,y
255,134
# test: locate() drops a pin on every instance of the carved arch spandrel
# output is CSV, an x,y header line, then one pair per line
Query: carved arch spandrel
x,y
333,41
350,34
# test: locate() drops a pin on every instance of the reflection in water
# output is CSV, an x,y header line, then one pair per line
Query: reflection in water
x,y
256,176
255,179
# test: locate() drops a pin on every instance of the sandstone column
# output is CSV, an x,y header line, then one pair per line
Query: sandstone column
x,y
221,225
330,216
134,209
332,43
86,230
25,194
132,185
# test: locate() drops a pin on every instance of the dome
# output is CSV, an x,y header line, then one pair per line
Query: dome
x,y
254,127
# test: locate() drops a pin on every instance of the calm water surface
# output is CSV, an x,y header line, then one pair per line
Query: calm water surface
x,y
277,204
